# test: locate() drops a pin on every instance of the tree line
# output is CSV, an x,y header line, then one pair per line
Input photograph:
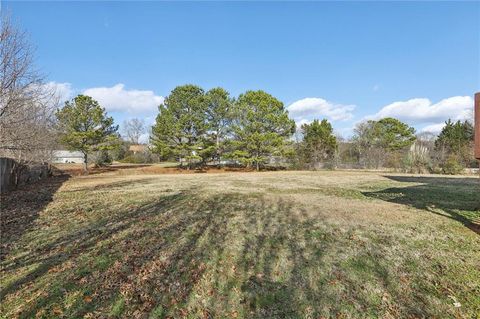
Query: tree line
x,y
197,128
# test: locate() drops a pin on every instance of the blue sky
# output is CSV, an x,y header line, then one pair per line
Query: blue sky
x,y
346,61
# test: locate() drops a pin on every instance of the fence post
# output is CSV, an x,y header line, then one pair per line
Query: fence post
x,y
6,165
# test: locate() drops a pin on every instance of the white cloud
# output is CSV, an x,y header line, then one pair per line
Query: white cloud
x,y
61,91
303,121
421,110
307,109
433,128
117,98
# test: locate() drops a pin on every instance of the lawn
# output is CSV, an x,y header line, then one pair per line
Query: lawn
x,y
242,245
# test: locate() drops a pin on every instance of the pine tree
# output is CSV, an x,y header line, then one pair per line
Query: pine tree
x,y
318,143
260,129
84,126
181,126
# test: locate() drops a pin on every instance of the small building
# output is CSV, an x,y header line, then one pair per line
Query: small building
x,y
62,156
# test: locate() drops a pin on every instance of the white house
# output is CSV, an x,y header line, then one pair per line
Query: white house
x,y
61,156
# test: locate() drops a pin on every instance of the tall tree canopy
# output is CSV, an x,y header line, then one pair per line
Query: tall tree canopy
x,y
261,128
219,118
375,140
392,134
85,127
319,143
388,133
181,125
456,138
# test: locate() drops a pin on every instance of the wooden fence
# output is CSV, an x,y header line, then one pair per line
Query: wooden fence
x,y
14,174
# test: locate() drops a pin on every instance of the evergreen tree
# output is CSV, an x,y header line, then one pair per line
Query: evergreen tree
x,y
392,134
181,125
455,142
261,128
318,143
85,127
219,118
378,141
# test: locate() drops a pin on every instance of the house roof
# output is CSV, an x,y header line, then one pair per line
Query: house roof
x,y
137,148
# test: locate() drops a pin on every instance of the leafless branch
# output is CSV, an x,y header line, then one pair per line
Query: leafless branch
x,y
27,105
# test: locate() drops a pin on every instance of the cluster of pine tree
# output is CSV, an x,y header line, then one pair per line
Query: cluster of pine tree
x,y
197,127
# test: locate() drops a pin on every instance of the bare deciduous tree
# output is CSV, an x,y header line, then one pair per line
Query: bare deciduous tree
x,y
370,155
133,129
27,104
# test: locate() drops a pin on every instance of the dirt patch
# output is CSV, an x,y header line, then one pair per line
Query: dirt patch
x,y
126,169
77,169
154,169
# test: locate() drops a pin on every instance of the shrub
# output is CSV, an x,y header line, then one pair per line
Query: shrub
x,y
139,158
102,158
417,159
133,159
452,166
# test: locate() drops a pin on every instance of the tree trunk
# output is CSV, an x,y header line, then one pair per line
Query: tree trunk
x,y
217,153
85,163
257,154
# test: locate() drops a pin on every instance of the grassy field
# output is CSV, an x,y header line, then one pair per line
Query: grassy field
x,y
242,245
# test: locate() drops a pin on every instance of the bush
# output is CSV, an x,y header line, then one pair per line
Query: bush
x,y
452,166
132,159
139,158
119,153
102,158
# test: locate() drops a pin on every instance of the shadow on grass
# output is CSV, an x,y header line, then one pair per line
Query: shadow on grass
x,y
174,257
156,254
20,209
455,198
